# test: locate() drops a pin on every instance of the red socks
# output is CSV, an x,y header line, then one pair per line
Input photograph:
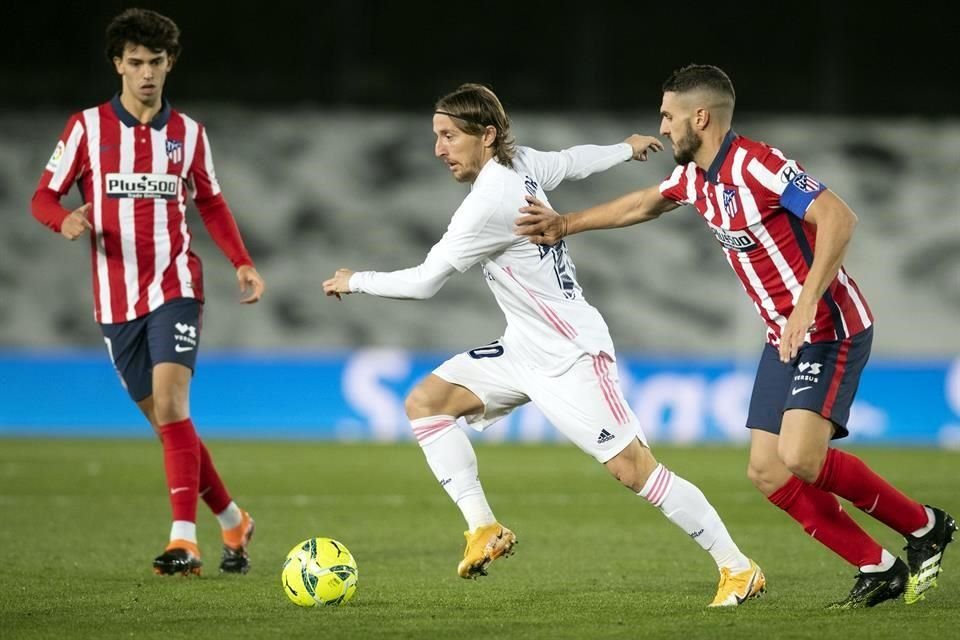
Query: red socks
x,y
824,519
211,486
181,458
849,477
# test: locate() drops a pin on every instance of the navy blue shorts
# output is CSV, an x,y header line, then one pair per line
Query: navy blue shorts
x,y
823,378
169,333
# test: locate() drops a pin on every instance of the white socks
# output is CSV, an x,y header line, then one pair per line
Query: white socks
x,y
886,561
230,517
686,506
931,520
183,530
454,463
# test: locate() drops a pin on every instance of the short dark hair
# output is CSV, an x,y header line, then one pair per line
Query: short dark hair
x,y
700,76
142,27
477,107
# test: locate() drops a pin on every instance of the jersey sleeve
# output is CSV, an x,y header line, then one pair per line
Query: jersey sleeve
x,y
203,177
679,186
778,182
214,210
63,167
417,283
475,232
574,163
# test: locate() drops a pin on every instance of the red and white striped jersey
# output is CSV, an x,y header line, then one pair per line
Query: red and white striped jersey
x,y
137,177
754,199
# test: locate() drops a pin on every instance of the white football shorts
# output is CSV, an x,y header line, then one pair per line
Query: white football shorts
x,y
585,403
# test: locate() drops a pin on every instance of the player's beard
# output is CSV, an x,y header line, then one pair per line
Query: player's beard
x,y
687,146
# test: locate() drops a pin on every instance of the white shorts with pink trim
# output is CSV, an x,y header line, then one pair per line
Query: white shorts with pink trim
x,y
585,403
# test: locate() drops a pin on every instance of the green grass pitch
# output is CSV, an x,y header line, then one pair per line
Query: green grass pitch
x,y
80,521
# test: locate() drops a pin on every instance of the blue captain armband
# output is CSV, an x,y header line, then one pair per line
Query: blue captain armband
x,y
800,194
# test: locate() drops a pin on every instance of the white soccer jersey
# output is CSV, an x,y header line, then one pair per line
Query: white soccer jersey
x,y
548,319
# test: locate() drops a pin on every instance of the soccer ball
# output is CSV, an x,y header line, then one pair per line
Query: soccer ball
x,y
319,571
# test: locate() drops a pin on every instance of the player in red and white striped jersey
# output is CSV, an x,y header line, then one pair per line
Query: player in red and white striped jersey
x,y
784,234
135,160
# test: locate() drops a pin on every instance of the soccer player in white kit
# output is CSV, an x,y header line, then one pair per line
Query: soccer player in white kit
x,y
556,350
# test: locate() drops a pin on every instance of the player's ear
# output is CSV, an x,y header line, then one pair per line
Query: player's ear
x,y
702,118
489,135
170,61
118,65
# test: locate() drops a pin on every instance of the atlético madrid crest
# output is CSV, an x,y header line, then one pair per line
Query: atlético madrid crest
x,y
175,151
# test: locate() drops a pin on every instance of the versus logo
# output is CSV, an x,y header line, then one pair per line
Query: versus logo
x,y
814,367
158,186
734,240
808,372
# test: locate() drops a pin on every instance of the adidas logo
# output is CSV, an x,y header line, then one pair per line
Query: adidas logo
x,y
605,436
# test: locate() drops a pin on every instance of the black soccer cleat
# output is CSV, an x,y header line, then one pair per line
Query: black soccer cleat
x,y
925,555
235,558
183,559
234,561
873,588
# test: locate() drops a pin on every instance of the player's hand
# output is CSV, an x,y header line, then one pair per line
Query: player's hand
x,y
251,284
641,144
76,223
339,284
795,332
541,224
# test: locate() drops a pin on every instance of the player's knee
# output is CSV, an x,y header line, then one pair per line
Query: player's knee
x,y
803,465
632,466
170,407
420,404
761,478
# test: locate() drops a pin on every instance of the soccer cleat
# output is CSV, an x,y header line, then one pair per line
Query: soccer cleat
x,y
180,556
872,588
737,588
235,541
484,545
925,555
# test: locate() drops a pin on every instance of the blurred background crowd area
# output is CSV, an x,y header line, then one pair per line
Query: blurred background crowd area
x,y
315,191
319,118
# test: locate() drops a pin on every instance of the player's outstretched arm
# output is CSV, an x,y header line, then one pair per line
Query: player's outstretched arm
x,y
417,283
543,225
339,284
641,144
251,284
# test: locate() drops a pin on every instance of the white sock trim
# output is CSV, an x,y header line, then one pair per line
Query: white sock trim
x,y
230,517
183,530
657,486
931,520
428,429
886,561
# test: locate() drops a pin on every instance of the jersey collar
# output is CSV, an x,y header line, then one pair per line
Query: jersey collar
x,y
714,171
159,121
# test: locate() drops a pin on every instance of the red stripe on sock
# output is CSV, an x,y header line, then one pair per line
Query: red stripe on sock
x,y
824,519
212,489
849,477
181,459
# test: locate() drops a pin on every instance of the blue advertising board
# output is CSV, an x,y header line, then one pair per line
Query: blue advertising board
x,y
358,395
